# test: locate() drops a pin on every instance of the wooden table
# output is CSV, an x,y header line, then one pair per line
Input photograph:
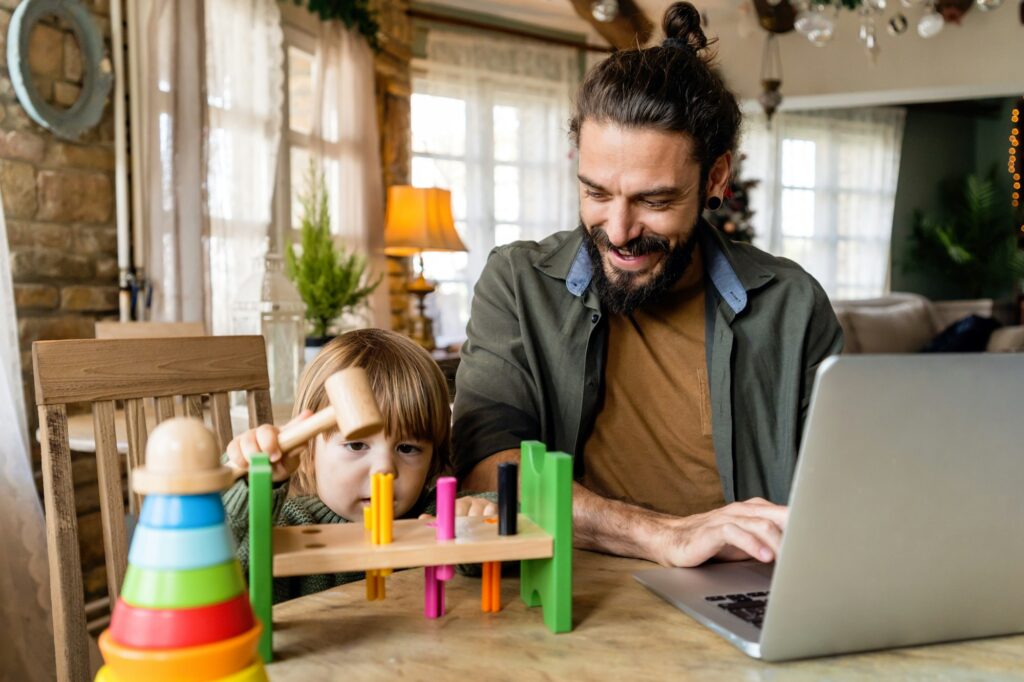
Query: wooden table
x,y
622,633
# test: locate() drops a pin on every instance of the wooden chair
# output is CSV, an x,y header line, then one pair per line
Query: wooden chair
x,y
102,372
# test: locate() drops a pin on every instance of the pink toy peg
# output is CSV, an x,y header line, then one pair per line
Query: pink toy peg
x,y
429,593
445,520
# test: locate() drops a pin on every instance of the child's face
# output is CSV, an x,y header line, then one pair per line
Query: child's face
x,y
344,470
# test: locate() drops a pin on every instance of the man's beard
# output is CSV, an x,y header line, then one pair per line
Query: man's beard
x,y
624,293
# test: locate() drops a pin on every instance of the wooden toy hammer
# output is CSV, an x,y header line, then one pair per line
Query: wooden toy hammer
x,y
353,410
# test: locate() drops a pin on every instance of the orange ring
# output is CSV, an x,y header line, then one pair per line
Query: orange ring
x,y
204,663
254,673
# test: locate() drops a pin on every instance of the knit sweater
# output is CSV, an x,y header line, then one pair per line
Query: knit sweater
x,y
300,511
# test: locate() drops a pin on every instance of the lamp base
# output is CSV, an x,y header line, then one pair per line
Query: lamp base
x,y
421,327
421,331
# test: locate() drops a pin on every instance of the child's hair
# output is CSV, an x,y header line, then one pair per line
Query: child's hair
x,y
409,387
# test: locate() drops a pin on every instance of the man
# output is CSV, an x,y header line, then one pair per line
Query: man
x,y
674,365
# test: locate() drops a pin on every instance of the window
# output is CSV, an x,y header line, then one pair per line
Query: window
x,y
826,194
489,123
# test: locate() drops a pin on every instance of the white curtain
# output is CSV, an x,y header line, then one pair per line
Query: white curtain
x,y
244,83
168,157
346,145
827,191
26,642
211,77
490,122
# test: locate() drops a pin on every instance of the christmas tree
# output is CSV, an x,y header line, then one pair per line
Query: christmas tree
x,y
733,218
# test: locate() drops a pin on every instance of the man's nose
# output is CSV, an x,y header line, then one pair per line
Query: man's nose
x,y
619,223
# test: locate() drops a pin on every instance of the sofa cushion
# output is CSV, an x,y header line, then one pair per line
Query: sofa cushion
x,y
903,327
1007,340
969,335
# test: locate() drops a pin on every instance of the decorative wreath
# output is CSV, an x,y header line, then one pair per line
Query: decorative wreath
x,y
354,14
87,110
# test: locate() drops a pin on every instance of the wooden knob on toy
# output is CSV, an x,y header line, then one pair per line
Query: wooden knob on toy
x,y
181,459
353,410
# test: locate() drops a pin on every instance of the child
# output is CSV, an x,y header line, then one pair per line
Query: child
x,y
329,481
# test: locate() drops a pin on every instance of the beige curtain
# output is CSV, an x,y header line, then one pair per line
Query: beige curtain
x,y
210,76
26,638
346,144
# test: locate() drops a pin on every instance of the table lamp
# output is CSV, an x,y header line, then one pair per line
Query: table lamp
x,y
420,219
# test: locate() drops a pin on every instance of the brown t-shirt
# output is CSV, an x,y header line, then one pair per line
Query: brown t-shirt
x,y
651,444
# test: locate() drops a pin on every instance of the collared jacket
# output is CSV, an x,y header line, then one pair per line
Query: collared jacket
x,y
532,366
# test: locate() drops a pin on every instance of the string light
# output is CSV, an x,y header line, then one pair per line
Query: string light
x,y
1013,162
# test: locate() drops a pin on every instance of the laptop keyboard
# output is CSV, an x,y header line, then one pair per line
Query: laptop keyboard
x,y
749,605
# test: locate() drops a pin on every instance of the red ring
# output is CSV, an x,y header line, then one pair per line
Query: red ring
x,y
142,628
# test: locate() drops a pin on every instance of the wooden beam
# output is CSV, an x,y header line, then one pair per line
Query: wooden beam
x,y
630,29
333,548
465,22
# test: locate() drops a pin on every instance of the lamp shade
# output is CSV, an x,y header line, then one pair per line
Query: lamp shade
x,y
419,219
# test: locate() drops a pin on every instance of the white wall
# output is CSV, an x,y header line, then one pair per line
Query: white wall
x,y
982,57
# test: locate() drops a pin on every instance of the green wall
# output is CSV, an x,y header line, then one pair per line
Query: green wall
x,y
939,144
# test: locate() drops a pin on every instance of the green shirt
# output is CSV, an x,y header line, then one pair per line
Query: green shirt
x,y
533,363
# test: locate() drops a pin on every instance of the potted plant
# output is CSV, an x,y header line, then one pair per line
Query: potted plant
x,y
973,246
332,281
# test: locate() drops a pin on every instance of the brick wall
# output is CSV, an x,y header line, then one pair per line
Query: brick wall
x,y
58,201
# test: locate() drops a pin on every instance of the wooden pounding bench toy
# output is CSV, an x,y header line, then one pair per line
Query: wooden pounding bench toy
x,y
182,615
542,543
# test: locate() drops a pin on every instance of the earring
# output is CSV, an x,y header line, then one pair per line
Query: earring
x,y
714,203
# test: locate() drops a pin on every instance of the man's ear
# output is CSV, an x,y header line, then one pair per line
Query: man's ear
x,y
718,177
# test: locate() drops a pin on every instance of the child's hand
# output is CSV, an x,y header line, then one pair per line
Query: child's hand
x,y
264,439
475,506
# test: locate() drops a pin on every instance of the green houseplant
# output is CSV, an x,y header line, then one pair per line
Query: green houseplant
x,y
331,280
972,246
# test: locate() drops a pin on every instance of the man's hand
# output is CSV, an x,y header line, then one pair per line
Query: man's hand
x,y
264,439
741,530
475,506
471,506
750,529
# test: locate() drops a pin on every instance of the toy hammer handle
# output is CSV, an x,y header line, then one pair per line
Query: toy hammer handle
x,y
353,410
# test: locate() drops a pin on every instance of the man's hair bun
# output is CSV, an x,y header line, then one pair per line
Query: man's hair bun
x,y
682,26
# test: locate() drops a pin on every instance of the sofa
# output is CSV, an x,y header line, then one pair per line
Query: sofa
x,y
905,323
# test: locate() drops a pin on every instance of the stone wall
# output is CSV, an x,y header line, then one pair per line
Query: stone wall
x,y
58,200
394,87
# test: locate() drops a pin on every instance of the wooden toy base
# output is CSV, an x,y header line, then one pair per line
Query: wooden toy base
x,y
333,548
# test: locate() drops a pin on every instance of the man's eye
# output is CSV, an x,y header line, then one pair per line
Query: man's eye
x,y
650,203
357,446
595,195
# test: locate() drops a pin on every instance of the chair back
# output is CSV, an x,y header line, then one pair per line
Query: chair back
x,y
148,330
176,373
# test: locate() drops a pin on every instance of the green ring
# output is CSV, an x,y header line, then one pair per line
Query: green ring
x,y
161,588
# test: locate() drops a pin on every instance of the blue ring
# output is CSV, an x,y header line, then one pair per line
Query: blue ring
x,y
182,511
181,549
87,110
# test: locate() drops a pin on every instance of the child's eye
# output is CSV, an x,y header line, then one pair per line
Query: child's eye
x,y
357,446
408,449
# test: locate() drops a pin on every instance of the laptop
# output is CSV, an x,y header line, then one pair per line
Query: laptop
x,y
906,520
